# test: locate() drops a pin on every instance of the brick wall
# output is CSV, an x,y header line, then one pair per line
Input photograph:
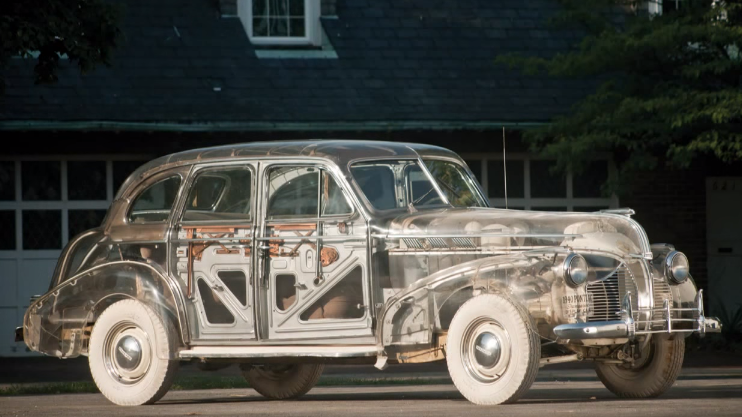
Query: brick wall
x,y
671,206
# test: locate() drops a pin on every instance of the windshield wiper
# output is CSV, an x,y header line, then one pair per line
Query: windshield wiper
x,y
417,200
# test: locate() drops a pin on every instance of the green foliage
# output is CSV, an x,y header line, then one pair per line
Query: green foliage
x,y
84,30
668,87
731,321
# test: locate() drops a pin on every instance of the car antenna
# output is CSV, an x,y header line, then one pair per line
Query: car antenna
x,y
504,168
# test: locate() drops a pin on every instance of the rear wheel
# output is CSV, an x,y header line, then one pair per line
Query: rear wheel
x,y
492,350
652,374
128,354
282,381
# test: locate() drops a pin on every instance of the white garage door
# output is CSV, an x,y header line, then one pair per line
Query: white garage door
x,y
43,203
724,241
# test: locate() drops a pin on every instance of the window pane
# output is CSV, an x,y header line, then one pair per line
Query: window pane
x,y
297,27
296,8
476,168
7,230
82,220
588,183
121,171
333,200
545,184
260,7
278,27
7,181
496,181
220,195
455,183
86,180
377,184
293,192
260,27
154,204
42,229
41,180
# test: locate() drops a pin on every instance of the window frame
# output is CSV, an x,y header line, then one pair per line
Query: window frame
x,y
146,186
182,206
568,202
312,26
319,217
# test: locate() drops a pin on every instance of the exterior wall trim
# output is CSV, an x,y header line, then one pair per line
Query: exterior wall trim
x,y
21,125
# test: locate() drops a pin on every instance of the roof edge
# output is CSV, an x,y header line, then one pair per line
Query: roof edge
x,y
37,125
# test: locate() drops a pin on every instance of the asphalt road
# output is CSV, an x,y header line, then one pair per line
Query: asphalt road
x,y
718,394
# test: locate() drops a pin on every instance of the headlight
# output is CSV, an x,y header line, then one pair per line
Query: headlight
x,y
575,270
676,267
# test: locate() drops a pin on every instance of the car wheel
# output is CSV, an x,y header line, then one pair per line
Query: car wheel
x,y
652,374
128,352
492,350
282,381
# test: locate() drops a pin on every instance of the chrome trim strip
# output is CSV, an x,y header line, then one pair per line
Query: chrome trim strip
x,y
280,351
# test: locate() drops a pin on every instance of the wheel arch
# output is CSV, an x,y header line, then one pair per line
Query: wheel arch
x,y
56,323
439,296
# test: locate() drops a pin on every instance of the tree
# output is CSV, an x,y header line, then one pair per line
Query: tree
x,y
668,86
85,31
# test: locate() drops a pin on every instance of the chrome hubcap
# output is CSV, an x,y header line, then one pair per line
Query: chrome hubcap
x,y
485,350
127,353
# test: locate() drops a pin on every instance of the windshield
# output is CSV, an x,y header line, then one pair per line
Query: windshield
x,y
395,184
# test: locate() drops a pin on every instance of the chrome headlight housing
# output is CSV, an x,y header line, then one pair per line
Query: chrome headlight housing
x,y
677,268
575,270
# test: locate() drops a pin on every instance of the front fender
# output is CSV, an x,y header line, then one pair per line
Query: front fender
x,y
413,315
54,324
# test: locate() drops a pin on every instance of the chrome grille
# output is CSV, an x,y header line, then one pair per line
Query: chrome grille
x,y
662,292
607,295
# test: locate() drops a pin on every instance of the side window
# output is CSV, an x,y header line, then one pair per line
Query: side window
x,y
154,203
304,192
377,183
293,192
220,194
333,200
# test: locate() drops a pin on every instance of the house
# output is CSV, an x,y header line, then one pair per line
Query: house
x,y
195,73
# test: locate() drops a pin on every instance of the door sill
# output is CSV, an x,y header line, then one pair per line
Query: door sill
x,y
355,351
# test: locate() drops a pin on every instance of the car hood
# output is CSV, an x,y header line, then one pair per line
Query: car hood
x,y
527,229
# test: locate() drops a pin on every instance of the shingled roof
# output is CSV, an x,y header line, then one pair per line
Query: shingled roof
x,y
426,61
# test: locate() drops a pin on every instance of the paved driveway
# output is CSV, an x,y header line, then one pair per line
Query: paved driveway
x,y
699,393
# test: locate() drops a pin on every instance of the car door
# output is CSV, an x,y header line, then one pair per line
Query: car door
x,y
313,281
214,251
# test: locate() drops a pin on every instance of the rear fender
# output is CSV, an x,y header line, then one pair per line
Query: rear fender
x,y
54,324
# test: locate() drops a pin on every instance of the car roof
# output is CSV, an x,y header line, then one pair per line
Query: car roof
x,y
338,151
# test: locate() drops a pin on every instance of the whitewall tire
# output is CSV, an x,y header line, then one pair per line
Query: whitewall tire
x,y
492,350
128,355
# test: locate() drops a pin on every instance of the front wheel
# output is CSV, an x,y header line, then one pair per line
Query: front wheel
x,y
282,381
492,350
652,374
128,354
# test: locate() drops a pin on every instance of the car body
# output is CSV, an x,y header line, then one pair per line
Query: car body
x,y
313,251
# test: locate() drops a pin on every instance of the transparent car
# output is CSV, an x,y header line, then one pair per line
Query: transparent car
x,y
284,256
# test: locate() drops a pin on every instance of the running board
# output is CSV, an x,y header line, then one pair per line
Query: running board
x,y
347,351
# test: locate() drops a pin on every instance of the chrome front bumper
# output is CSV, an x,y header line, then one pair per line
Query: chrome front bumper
x,y
627,326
